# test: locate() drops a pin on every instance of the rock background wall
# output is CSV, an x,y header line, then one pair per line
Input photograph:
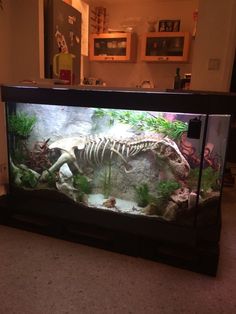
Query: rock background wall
x,y
56,122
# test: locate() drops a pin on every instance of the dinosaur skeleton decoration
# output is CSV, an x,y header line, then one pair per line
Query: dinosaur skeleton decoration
x,y
95,150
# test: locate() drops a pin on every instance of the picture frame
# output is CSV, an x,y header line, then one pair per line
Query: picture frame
x,y
169,26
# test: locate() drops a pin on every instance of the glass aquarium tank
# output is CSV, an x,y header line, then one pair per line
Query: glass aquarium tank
x,y
146,172
127,161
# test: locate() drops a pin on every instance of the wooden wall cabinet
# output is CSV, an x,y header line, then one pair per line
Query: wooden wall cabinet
x,y
112,47
165,46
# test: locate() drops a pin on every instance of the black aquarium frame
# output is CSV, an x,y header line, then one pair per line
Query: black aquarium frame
x,y
194,247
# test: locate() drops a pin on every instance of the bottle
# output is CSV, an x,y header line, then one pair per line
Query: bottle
x,y
177,79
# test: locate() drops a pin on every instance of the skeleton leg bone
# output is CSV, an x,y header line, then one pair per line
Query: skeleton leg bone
x,y
64,158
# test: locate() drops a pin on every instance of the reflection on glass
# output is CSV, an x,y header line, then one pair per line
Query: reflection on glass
x,y
165,46
110,47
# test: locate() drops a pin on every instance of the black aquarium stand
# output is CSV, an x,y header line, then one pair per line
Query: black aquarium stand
x,y
194,246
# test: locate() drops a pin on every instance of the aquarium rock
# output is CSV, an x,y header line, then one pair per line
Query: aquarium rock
x,y
170,211
65,173
168,151
151,209
68,189
192,199
180,196
110,202
19,172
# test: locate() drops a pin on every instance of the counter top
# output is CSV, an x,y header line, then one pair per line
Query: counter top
x,y
200,102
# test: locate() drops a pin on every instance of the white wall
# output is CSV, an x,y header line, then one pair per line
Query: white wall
x,y
20,53
84,5
25,48
215,39
21,37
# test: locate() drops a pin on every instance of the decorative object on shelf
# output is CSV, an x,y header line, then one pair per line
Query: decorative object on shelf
x,y
99,20
152,25
146,84
177,79
130,23
93,81
169,26
63,67
181,82
185,82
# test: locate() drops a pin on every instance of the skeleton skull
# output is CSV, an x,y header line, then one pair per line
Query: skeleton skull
x,y
168,151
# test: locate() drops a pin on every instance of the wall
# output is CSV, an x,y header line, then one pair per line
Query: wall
x,y
216,39
139,13
25,48
5,76
21,33
84,5
6,41
20,53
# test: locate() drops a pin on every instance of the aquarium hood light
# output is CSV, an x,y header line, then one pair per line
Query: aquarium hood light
x,y
26,86
61,88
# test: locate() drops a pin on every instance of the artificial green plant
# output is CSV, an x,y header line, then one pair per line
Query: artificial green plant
x,y
106,180
164,190
142,195
143,121
82,184
20,126
209,179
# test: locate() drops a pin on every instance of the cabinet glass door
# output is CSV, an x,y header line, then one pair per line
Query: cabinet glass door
x,y
165,46
110,46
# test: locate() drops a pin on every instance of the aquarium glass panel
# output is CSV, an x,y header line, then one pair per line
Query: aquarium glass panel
x,y
213,167
126,161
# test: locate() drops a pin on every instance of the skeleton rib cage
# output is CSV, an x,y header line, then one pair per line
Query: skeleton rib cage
x,y
99,149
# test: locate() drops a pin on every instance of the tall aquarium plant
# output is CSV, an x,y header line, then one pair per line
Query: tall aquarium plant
x,y
142,195
106,180
164,190
210,180
82,184
20,127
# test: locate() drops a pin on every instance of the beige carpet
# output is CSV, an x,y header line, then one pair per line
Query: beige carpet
x,y
43,275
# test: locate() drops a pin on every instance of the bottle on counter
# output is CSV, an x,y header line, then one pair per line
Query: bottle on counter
x,y
177,79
